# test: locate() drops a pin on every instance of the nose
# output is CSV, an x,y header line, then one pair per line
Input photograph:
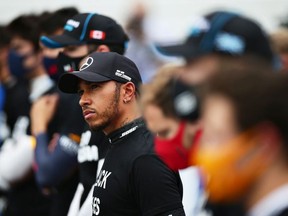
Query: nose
x,y
84,100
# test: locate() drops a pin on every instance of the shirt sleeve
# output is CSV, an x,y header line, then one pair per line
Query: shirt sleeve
x,y
53,166
156,188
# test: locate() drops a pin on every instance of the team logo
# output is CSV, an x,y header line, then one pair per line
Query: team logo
x,y
96,34
71,25
122,74
230,43
87,64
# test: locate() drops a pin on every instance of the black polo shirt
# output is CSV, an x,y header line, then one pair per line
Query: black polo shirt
x,y
133,180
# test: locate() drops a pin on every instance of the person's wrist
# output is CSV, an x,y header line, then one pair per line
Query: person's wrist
x,y
38,129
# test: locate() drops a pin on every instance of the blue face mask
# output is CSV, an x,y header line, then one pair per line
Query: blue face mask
x,y
16,66
51,66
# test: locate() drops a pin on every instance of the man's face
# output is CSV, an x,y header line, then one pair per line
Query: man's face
x,y
51,52
163,126
76,51
233,161
24,48
197,71
100,103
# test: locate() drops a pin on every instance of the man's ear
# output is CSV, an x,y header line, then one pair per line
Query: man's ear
x,y
129,92
103,48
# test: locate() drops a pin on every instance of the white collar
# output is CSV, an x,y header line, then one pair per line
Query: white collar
x,y
39,86
273,203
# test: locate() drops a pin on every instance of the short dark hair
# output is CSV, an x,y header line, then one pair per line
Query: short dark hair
x,y
56,20
257,96
26,27
4,36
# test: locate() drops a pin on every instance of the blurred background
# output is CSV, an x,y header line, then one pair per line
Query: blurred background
x,y
165,19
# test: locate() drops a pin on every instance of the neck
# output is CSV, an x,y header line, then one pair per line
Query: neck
x,y
130,113
38,71
275,176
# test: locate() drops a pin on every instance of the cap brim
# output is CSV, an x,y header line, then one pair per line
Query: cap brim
x,y
187,51
69,82
58,41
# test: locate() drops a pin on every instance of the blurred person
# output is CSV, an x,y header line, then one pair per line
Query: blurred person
x,y
279,40
83,34
220,39
26,62
217,41
158,110
133,180
243,149
54,25
25,80
171,133
55,164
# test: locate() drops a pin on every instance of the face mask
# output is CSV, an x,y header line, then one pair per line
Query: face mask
x,y
172,151
68,64
51,66
231,169
16,64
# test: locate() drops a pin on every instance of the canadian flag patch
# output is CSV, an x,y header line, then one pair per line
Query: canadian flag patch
x,y
95,34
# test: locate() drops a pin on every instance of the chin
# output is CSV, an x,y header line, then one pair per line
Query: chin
x,y
98,127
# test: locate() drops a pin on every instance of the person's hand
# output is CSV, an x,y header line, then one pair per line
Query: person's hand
x,y
42,112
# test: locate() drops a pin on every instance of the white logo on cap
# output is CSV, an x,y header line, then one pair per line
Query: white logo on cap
x,y
230,43
73,23
122,74
87,64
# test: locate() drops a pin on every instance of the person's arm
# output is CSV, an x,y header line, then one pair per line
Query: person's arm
x,y
51,167
157,189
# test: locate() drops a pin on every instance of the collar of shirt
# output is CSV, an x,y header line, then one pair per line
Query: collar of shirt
x,y
272,204
39,86
125,130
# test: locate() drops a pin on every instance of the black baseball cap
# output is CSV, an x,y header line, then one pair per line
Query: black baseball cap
x,y
223,32
87,28
102,67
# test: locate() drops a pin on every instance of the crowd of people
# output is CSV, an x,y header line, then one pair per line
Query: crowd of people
x,y
94,122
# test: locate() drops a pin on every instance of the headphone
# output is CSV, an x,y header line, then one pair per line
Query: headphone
x,y
185,101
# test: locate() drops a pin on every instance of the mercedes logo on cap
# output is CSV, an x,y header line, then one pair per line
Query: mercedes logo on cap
x,y
87,64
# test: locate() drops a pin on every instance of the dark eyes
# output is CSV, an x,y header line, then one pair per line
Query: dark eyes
x,y
80,92
94,86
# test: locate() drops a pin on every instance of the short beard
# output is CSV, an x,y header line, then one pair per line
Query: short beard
x,y
111,112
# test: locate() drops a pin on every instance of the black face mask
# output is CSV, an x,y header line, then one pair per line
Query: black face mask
x,y
68,64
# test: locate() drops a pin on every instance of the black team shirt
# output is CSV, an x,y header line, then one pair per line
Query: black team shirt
x,y
133,180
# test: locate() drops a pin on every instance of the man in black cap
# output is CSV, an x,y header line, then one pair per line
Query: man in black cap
x,y
133,180
217,38
83,34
